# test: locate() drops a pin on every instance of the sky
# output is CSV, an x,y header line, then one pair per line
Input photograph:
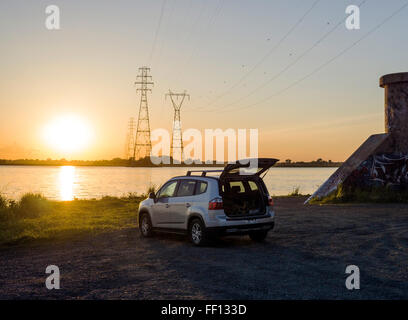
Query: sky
x,y
311,94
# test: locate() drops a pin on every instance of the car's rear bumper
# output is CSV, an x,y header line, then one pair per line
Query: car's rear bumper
x,y
240,229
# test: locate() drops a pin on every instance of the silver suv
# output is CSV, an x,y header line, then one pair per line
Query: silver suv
x,y
203,206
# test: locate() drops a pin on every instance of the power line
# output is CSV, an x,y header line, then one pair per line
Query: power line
x,y
157,29
189,35
184,18
195,28
211,21
267,55
289,66
169,20
341,53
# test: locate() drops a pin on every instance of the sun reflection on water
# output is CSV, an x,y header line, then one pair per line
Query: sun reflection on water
x,y
66,183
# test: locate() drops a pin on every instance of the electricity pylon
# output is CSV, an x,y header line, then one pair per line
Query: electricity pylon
x,y
130,139
143,144
176,148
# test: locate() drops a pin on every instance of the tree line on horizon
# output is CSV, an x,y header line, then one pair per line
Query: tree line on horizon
x,y
146,162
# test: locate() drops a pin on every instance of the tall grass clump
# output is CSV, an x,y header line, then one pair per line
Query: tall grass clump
x,y
150,188
295,192
3,202
373,195
4,208
31,205
132,196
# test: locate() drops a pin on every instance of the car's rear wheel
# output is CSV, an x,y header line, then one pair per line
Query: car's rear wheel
x,y
145,225
258,236
197,233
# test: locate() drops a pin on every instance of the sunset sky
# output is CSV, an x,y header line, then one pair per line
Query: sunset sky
x,y
86,70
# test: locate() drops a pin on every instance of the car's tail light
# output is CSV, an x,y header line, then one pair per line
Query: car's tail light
x,y
215,204
270,201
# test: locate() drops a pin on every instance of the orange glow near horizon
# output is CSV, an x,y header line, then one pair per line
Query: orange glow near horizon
x,y
69,94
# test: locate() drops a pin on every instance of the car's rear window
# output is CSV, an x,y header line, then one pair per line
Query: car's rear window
x,y
237,186
201,187
252,185
243,186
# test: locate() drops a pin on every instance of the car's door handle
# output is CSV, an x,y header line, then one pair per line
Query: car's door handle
x,y
167,205
188,205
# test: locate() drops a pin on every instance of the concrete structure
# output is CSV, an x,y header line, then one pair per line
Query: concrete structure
x,y
391,145
396,109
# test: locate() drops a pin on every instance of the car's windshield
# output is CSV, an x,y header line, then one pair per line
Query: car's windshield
x,y
168,189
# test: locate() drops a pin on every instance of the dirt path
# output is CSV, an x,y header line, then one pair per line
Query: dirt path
x,y
303,258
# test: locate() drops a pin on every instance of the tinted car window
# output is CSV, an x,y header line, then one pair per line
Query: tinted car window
x,y
186,188
201,187
237,186
168,190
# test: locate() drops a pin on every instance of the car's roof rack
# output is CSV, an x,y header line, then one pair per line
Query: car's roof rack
x,y
203,172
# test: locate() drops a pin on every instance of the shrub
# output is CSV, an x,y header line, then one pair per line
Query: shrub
x,y
295,192
31,205
4,209
132,196
3,202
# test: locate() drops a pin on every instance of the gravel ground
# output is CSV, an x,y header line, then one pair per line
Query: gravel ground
x,y
304,257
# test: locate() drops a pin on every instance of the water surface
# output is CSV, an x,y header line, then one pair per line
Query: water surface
x,y
68,182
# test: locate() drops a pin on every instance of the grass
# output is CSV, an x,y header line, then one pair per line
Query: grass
x,y
295,192
152,188
375,195
35,217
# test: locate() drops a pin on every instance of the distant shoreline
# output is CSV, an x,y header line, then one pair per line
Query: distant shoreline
x,y
127,163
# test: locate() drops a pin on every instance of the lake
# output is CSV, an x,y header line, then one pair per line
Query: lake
x,y
68,182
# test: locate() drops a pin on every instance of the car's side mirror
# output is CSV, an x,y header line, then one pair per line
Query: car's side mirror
x,y
152,195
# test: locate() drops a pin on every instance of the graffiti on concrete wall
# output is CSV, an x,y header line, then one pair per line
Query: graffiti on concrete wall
x,y
379,171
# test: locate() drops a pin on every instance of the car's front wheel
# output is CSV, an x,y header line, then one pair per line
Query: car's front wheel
x,y
197,233
258,236
145,225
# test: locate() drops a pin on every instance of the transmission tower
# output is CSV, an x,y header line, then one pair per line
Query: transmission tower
x,y
130,139
176,148
143,144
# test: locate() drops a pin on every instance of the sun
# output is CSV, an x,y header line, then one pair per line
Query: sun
x,y
67,133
